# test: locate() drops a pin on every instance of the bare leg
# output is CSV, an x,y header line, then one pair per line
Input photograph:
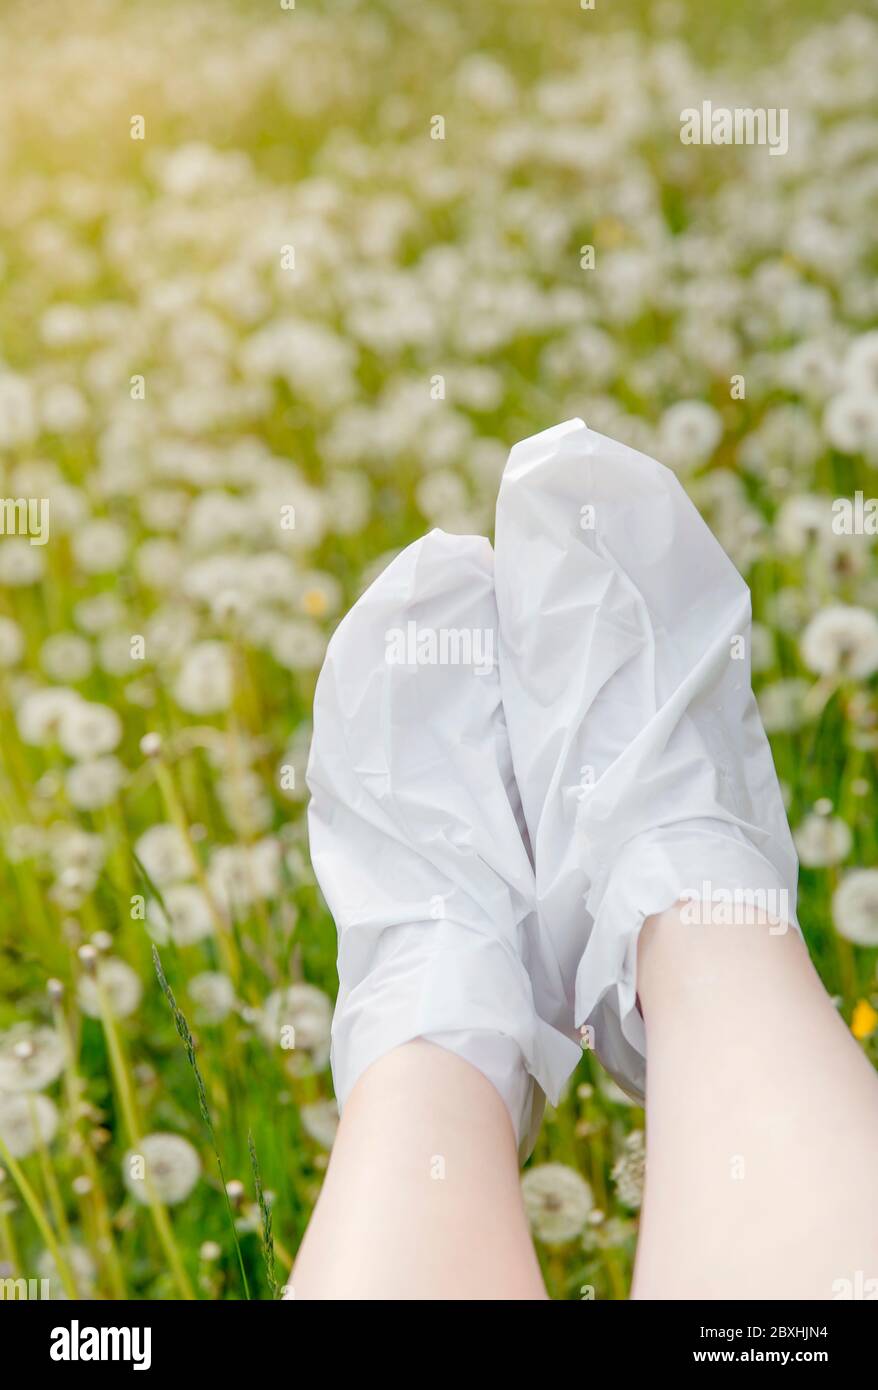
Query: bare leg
x,y
762,1121
422,1198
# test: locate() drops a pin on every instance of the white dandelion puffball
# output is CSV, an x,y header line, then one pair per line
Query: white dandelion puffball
x,y
18,418
81,1265
240,875
229,878
11,642
93,784
114,653
187,919
293,765
71,847
782,705
688,434
169,1162
21,563
850,422
66,657
30,1058
120,985
629,1170
298,1019
40,713
213,995
27,1122
63,409
557,1200
855,907
860,367
264,867
96,614
823,840
802,521
24,842
841,641
204,681
164,853
100,546
87,730
320,1121
298,645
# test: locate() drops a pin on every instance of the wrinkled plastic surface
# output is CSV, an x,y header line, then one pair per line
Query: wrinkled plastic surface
x,y
416,835
644,771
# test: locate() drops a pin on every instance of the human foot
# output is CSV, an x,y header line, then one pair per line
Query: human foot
x,y
416,835
644,772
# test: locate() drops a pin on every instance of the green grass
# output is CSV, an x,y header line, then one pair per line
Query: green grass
x,y
167,272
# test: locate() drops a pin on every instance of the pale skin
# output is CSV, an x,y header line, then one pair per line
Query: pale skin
x,y
762,1131
762,1121
388,1224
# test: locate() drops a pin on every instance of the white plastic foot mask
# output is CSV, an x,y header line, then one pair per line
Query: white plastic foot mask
x,y
644,772
416,835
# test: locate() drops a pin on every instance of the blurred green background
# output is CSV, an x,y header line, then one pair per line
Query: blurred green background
x,y
233,264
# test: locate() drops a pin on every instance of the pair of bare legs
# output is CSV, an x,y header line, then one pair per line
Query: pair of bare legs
x,y
762,1130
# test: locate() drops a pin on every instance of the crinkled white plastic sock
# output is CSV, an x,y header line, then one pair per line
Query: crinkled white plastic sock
x,y
416,835
644,771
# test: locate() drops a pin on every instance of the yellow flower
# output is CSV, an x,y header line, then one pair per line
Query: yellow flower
x,y
864,1020
315,603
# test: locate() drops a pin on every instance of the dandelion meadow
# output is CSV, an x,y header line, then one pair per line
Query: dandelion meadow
x,y
279,289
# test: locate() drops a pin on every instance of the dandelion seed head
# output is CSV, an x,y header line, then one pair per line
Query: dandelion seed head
x,y
320,1121
629,1170
855,907
213,995
557,1200
842,640
30,1058
27,1122
164,854
172,1167
822,840
115,979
